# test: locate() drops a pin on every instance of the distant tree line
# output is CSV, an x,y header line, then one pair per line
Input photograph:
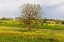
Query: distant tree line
x,y
4,18
9,18
57,21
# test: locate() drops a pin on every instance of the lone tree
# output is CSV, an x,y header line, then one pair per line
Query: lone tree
x,y
30,12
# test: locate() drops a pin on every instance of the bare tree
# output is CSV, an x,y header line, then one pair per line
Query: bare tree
x,y
30,12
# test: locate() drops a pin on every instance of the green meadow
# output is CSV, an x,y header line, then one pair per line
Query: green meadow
x,y
12,31
15,23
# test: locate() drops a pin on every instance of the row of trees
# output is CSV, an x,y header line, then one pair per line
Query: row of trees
x,y
4,18
9,18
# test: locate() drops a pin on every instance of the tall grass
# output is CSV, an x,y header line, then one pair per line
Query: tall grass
x,y
11,38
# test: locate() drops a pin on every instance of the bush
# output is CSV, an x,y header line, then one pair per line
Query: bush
x,y
62,22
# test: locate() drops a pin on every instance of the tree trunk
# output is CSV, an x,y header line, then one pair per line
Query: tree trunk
x,y
29,28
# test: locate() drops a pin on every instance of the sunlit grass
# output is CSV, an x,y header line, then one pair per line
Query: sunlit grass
x,y
11,31
15,23
31,36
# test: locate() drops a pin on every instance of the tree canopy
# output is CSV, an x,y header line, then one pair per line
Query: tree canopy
x,y
31,12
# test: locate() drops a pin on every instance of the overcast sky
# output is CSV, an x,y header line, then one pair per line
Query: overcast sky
x,y
52,8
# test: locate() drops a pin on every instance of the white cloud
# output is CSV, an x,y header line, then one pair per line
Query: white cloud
x,y
11,7
59,10
53,2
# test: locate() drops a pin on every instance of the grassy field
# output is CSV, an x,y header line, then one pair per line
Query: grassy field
x,y
15,23
37,27
52,27
11,31
32,36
